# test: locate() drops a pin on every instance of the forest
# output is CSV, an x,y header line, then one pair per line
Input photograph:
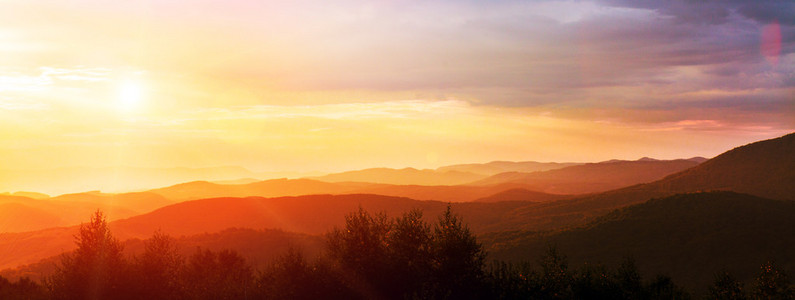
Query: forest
x,y
370,257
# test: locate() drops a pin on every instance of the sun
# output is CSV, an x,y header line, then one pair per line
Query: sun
x,y
130,96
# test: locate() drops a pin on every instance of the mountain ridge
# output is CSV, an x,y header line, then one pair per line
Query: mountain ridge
x,y
688,236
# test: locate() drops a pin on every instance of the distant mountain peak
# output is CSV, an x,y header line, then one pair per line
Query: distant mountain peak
x,y
646,158
698,159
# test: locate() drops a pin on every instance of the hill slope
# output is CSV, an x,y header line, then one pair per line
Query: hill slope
x,y
456,193
592,177
688,236
407,176
496,167
299,187
26,214
765,168
268,188
520,194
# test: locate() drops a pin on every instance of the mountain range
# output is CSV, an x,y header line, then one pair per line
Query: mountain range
x,y
741,199
592,177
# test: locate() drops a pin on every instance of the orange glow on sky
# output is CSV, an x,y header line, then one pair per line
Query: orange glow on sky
x,y
302,86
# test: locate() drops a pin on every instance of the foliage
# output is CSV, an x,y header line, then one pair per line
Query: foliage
x,y
96,269
158,269
24,288
726,287
217,275
372,257
688,237
773,283
402,257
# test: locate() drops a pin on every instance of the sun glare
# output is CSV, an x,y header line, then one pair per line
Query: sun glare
x,y
130,96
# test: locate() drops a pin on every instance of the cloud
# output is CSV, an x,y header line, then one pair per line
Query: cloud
x,y
628,57
406,109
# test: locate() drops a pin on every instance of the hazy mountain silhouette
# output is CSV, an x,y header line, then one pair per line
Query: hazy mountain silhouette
x,y
496,167
32,195
698,159
66,210
407,176
520,194
237,181
298,187
267,188
455,193
687,236
646,158
138,202
16,216
113,179
19,248
592,177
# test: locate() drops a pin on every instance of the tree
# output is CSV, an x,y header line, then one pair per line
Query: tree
x,y
360,251
291,276
594,282
510,281
555,278
726,287
217,275
663,287
409,251
24,288
629,279
459,258
96,270
401,258
158,269
772,283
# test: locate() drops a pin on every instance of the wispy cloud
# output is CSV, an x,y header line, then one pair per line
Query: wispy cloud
x,y
405,109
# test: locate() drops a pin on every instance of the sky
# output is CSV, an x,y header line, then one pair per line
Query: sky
x,y
340,85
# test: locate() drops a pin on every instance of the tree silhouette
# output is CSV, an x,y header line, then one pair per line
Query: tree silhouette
x,y
726,287
594,282
409,251
459,258
663,287
158,269
291,276
217,275
24,288
772,283
360,249
555,277
96,269
400,258
629,279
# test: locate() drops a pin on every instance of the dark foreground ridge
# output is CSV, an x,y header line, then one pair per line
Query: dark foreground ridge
x,y
373,257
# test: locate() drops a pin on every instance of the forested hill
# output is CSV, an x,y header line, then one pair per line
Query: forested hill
x,y
687,236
